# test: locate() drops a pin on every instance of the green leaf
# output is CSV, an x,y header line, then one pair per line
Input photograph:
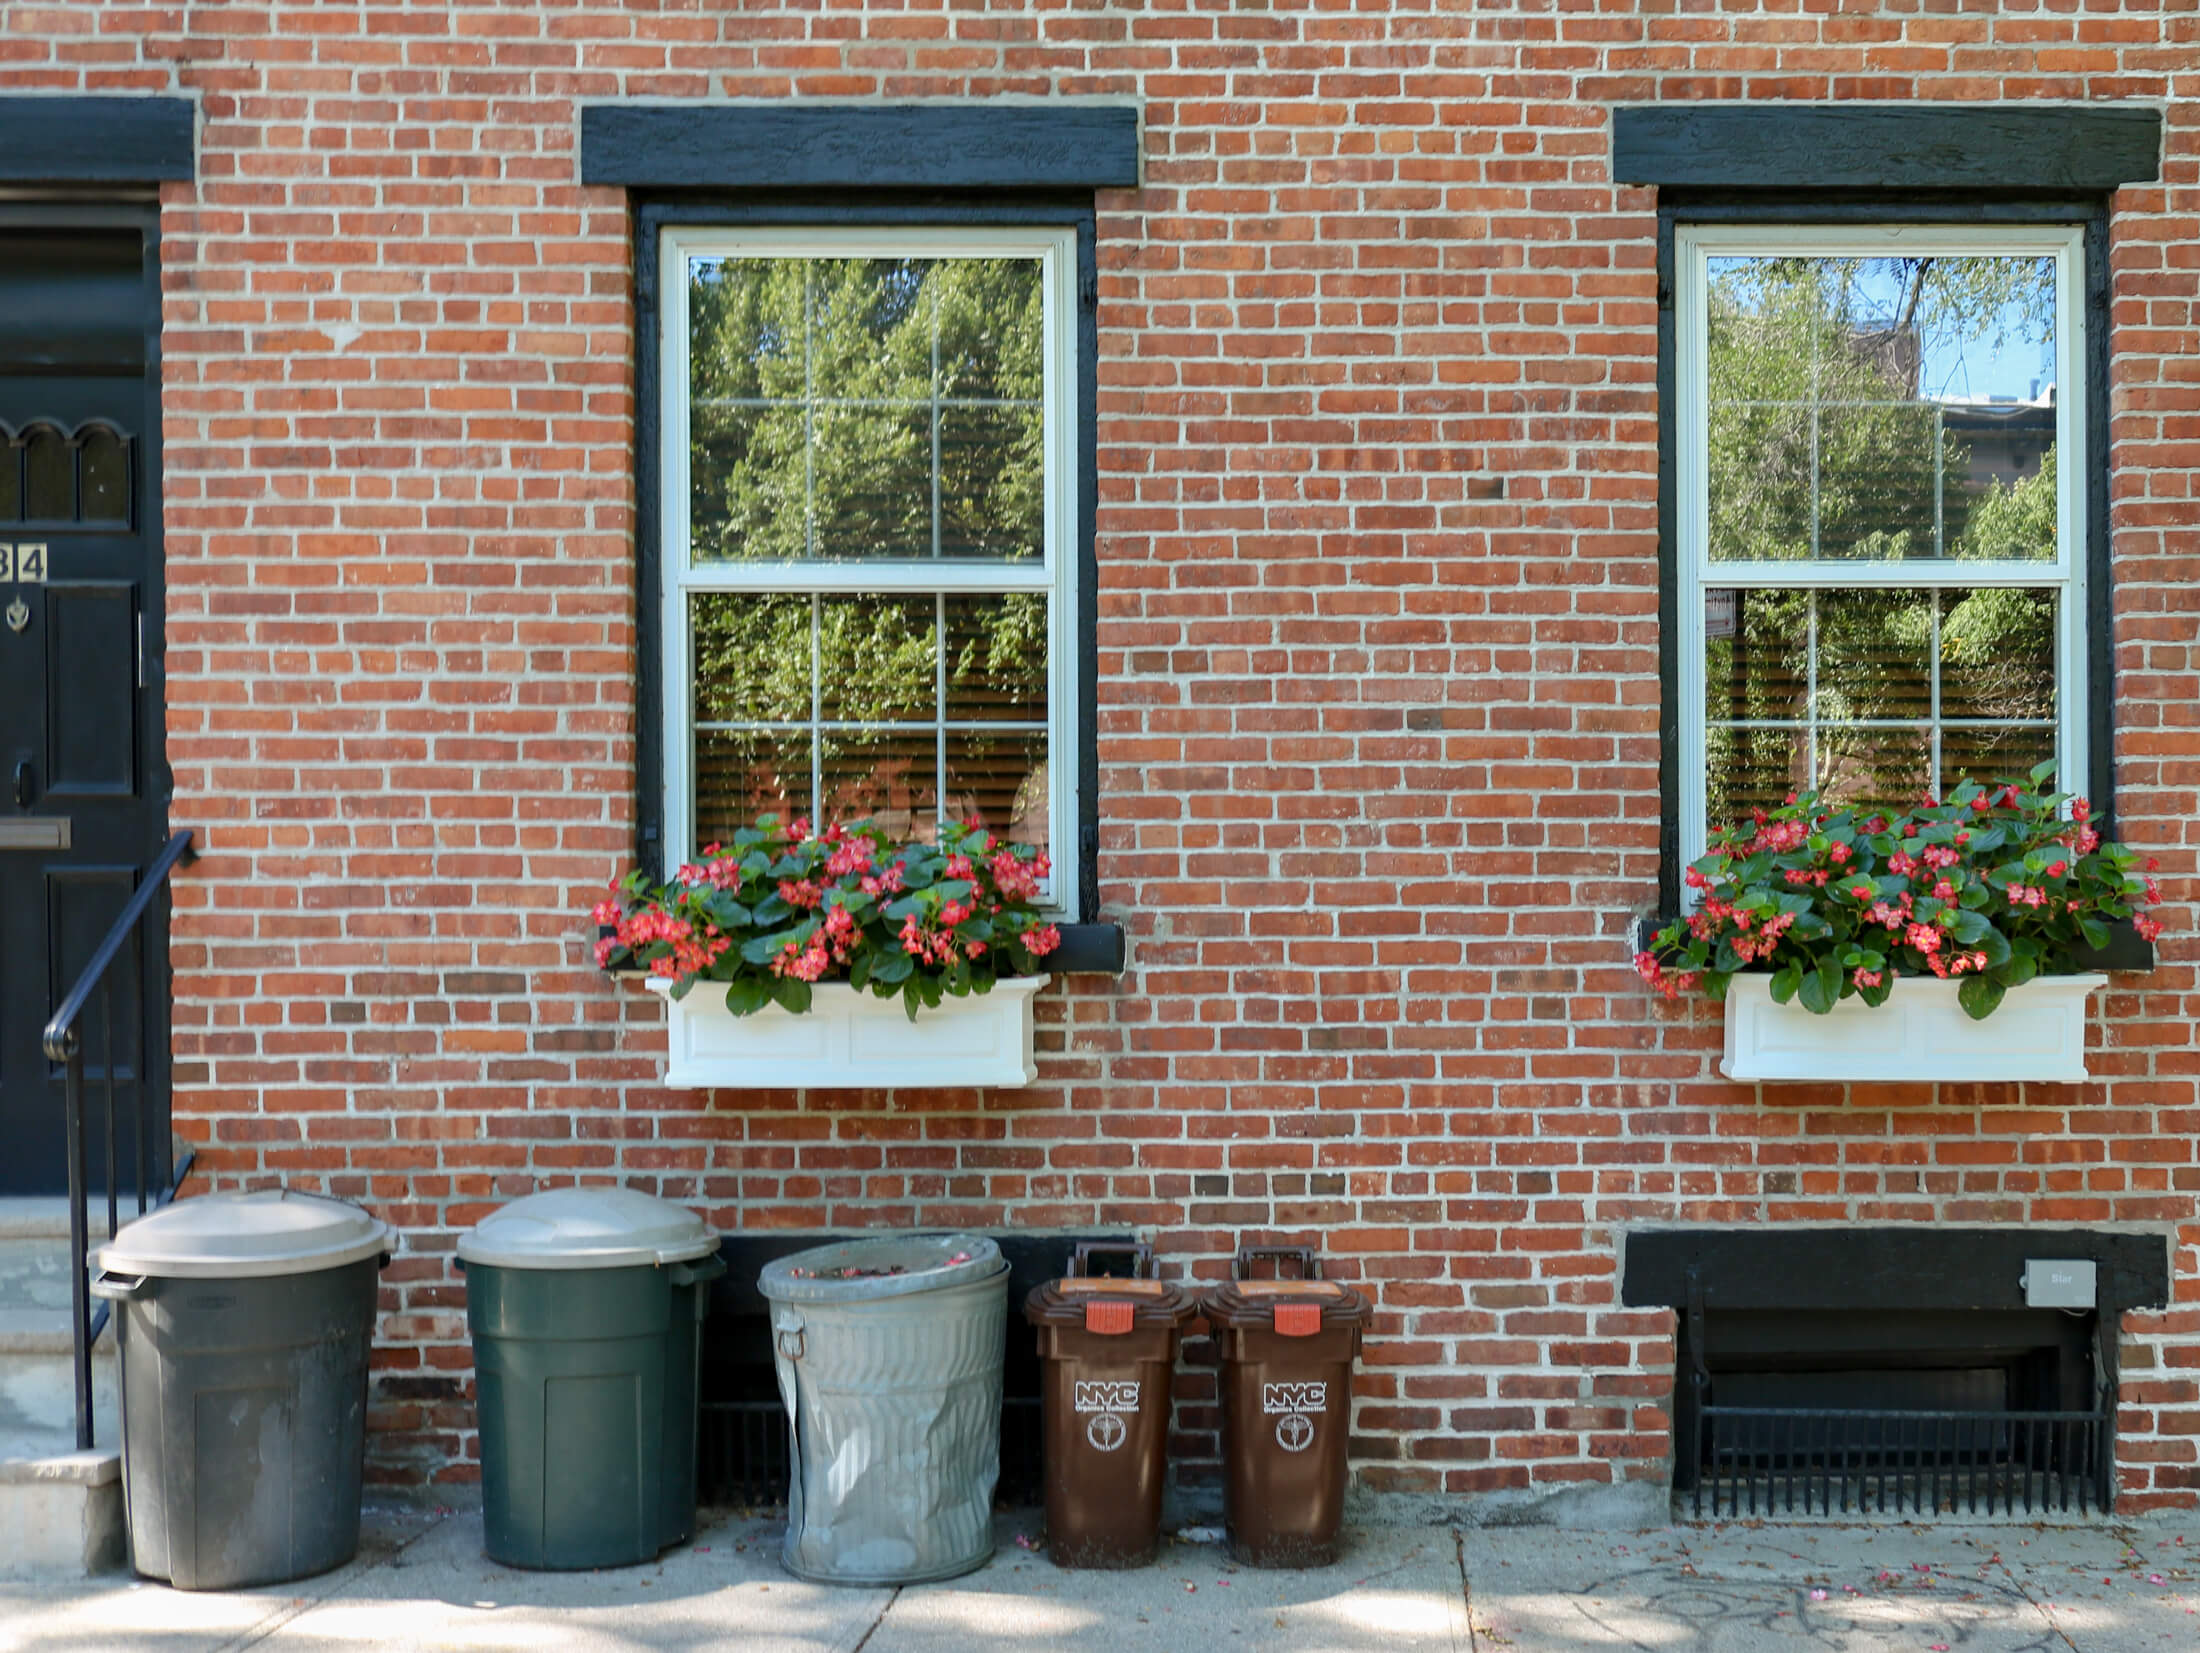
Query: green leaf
x,y
2095,932
893,967
1821,989
1970,926
2042,773
792,993
1876,996
763,949
745,995
1979,995
1785,981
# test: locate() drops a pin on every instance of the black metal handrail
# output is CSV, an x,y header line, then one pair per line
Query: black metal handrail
x,y
65,1044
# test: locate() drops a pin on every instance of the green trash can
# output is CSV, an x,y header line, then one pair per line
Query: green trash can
x,y
585,1306
244,1322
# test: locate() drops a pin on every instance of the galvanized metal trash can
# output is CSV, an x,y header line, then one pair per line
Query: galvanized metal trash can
x,y
586,1306
243,1322
889,1355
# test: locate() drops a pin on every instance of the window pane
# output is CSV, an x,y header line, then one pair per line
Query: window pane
x,y
104,476
990,329
1875,655
866,409
1881,408
742,775
1756,654
11,482
1877,482
752,658
871,482
1000,781
992,483
745,328
49,477
748,482
888,777
870,329
878,659
1875,768
1989,755
1749,769
997,659
1997,654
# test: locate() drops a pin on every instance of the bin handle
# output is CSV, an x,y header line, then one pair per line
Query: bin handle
x,y
119,1288
1310,1266
1140,1254
791,1341
698,1271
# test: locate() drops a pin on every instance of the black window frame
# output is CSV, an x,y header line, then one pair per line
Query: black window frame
x,y
1088,944
2088,213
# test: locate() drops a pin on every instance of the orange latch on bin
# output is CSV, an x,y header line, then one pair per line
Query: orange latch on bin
x,y
1298,1319
1109,1316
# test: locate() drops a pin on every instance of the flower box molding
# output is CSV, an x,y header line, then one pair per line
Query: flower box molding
x,y
1920,1034
851,1040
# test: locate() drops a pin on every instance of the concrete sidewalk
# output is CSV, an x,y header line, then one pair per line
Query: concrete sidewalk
x,y
421,1583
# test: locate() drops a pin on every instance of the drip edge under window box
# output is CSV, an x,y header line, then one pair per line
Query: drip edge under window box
x,y
1921,1034
851,1040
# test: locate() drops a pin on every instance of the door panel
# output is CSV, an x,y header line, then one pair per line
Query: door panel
x,y
91,689
82,785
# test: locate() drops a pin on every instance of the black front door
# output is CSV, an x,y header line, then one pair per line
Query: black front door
x,y
83,790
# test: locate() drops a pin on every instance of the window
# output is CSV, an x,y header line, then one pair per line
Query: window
x,y
1882,516
868,506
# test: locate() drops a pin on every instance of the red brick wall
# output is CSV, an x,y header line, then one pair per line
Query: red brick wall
x,y
1378,702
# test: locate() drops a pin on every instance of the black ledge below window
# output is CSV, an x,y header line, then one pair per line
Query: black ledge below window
x,y
1086,950
2126,949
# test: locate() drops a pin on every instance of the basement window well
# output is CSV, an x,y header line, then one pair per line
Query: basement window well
x,y
1895,1373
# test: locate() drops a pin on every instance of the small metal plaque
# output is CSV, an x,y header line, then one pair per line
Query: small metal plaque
x,y
34,832
23,563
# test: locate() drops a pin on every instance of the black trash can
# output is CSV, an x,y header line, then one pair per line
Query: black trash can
x,y
585,1306
243,1322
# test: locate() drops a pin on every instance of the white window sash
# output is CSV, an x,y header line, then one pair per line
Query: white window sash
x,y
1693,248
1053,575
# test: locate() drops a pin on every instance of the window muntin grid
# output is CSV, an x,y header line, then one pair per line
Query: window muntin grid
x,y
1017,762
2034,553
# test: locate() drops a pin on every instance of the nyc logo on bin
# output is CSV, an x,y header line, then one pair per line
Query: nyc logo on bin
x,y
1107,1401
1289,1404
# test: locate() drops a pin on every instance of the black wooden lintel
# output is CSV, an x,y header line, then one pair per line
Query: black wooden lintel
x,y
65,139
2082,148
931,146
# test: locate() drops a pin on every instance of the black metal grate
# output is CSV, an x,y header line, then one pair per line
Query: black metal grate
x,y
742,1452
1759,1460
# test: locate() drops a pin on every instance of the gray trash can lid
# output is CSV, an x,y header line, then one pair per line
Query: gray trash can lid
x,y
245,1237
587,1228
893,1265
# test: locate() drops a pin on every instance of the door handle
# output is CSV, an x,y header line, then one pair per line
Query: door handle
x,y
23,783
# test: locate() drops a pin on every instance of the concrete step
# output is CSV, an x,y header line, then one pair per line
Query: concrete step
x,y
60,1509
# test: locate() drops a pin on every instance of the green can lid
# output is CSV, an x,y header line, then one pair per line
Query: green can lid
x,y
567,1228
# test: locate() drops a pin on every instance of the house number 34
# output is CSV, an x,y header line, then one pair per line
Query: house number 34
x,y
21,564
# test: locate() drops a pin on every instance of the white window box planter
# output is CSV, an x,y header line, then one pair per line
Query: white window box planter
x,y
1920,1033
848,1040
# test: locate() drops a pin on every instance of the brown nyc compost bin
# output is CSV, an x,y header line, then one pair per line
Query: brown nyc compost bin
x,y
1287,1350
1107,1348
